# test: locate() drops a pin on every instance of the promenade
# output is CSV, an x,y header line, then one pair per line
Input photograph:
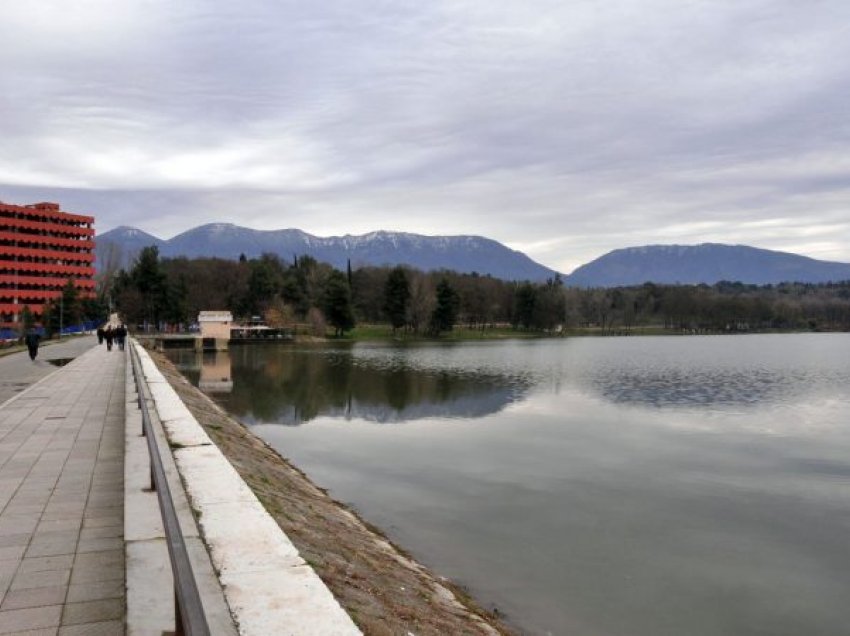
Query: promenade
x,y
61,491
82,545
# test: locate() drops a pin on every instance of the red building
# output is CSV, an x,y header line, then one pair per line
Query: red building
x,y
42,248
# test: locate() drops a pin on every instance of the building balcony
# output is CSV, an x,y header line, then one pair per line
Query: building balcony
x,y
70,230
75,258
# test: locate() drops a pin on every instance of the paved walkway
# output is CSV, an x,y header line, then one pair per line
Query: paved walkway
x,y
17,371
61,494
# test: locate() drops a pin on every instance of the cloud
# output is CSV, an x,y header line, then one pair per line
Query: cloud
x,y
566,129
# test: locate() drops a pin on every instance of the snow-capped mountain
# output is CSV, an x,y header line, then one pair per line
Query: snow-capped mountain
x,y
130,238
225,240
705,263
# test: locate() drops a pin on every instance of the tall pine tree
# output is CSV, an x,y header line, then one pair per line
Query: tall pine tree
x,y
337,303
445,313
397,297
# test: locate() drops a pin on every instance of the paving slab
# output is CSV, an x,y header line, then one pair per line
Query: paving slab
x,y
61,491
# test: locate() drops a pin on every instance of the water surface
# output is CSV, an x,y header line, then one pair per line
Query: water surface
x,y
622,486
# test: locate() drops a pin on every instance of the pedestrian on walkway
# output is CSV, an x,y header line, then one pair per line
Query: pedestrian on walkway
x,y
108,335
121,335
32,339
100,334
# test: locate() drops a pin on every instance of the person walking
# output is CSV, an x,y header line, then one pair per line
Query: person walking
x,y
32,339
100,334
121,336
108,335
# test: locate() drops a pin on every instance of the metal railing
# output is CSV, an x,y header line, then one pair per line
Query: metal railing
x,y
189,618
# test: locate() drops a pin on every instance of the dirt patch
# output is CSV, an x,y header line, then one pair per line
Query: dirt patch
x,y
382,588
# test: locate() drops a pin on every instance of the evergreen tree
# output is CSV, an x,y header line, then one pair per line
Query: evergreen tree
x,y
445,313
50,318
524,302
176,309
337,303
94,308
70,307
397,297
262,286
150,282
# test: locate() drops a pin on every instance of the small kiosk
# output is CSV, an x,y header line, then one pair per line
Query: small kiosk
x,y
215,330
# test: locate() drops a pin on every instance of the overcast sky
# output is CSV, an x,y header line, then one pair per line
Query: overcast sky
x,y
562,128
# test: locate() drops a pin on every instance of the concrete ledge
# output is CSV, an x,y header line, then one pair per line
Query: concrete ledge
x,y
149,580
267,585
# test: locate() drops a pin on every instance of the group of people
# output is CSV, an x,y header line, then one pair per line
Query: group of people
x,y
109,333
112,334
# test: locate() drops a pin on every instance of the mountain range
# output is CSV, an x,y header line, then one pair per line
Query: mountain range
x,y
663,264
225,240
704,263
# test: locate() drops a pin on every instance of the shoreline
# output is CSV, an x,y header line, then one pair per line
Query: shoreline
x,y
384,590
384,333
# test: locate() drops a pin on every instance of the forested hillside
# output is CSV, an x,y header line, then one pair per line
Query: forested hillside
x,y
308,292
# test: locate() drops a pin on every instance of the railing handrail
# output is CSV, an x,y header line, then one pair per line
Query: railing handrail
x,y
189,612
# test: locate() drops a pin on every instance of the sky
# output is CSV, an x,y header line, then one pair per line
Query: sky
x,y
564,129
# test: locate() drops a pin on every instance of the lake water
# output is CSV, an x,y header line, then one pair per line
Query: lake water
x,y
616,486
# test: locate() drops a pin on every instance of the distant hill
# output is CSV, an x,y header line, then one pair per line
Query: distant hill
x,y
225,240
120,246
705,263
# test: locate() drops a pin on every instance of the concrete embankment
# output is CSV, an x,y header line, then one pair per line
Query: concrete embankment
x,y
382,589
266,584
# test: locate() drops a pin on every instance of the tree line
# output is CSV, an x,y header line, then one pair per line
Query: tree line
x,y
304,291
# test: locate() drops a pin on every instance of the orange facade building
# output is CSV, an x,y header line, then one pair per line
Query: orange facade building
x,y
41,248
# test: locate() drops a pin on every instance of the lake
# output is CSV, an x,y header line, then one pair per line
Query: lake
x,y
606,486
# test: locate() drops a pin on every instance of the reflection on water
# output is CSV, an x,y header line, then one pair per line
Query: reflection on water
x,y
289,385
633,486
215,372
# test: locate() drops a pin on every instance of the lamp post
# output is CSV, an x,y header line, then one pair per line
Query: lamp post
x,y
15,315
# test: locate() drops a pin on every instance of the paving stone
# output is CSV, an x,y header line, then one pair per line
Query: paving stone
x,y
102,533
96,591
105,628
13,540
34,597
105,557
46,578
18,509
7,573
99,522
17,524
12,552
58,524
41,564
93,611
46,536
97,573
45,631
30,618
51,547
98,545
